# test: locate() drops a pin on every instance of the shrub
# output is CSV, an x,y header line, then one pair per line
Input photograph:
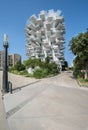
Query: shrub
x,y
38,73
82,75
76,72
86,80
19,66
25,72
42,68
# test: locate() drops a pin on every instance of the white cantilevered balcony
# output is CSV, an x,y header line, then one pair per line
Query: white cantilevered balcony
x,y
42,15
49,54
50,18
39,21
45,41
33,19
45,34
60,26
48,33
62,31
56,22
55,47
58,42
32,38
61,47
52,38
47,46
58,35
42,31
60,18
32,27
37,47
38,40
57,55
38,34
30,32
47,25
60,38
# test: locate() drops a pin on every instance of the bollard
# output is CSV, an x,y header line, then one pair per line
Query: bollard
x,y
10,87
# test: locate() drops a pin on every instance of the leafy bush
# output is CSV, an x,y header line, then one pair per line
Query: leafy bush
x,y
19,66
32,63
82,75
38,73
49,69
53,68
86,80
76,72
42,68
25,72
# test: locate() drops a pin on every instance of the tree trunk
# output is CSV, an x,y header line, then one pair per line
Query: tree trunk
x,y
86,76
86,71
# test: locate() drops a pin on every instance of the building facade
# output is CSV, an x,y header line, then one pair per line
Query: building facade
x,y
1,59
12,59
45,36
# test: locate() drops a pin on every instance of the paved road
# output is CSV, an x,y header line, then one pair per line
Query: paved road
x,y
56,103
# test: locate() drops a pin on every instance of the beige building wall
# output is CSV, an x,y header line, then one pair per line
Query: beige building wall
x,y
12,59
1,59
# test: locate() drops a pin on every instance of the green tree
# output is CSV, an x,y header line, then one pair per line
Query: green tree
x,y
79,47
46,68
19,66
32,63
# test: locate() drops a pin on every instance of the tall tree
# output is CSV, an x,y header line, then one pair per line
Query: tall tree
x,y
79,47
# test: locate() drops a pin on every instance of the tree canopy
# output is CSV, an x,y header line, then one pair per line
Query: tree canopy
x,y
79,47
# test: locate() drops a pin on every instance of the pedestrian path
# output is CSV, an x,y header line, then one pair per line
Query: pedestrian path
x,y
47,104
3,120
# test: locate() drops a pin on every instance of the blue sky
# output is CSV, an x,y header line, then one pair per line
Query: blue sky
x,y
15,13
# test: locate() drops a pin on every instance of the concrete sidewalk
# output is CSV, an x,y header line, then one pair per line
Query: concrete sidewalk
x,y
18,82
55,103
3,120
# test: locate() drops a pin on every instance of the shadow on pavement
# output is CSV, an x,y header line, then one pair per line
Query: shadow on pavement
x,y
19,88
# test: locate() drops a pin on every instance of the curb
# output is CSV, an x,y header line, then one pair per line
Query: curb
x,y
79,83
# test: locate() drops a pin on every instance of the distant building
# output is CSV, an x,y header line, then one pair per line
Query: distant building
x,y
12,59
45,36
1,59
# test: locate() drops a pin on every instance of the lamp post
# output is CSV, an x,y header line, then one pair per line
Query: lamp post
x,y
5,65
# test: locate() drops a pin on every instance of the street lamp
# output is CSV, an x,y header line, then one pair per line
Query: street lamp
x,y
5,65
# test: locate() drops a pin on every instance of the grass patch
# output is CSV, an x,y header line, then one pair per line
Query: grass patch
x,y
83,82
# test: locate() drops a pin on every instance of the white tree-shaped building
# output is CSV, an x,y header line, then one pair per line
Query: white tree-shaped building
x,y
45,36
